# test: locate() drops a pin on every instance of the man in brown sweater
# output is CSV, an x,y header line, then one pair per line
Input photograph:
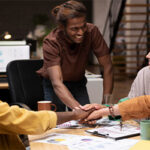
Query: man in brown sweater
x,y
66,50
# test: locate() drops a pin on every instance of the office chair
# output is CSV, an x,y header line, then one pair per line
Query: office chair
x,y
24,84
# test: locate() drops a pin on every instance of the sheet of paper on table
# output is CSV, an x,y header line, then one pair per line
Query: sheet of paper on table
x,y
106,122
78,142
70,125
74,123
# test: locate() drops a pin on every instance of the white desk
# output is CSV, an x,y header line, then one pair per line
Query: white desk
x,y
95,88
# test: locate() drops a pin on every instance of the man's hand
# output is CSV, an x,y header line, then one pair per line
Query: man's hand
x,y
92,106
91,118
94,115
80,114
97,114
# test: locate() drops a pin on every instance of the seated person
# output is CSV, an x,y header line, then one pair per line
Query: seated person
x,y
136,108
15,120
141,85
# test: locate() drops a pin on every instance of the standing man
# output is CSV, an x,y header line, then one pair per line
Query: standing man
x,y
66,50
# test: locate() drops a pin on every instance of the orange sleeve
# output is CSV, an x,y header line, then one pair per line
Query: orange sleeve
x,y
135,108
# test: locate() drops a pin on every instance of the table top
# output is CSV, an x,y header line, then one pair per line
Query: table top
x,y
4,85
45,146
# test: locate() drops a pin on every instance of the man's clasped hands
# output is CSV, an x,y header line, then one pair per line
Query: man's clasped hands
x,y
89,113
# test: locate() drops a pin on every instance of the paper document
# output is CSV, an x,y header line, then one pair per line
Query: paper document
x,y
106,122
78,142
70,124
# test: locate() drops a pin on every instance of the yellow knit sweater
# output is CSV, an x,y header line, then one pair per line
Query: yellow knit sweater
x,y
15,120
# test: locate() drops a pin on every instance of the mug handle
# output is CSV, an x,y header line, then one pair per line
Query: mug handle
x,y
55,107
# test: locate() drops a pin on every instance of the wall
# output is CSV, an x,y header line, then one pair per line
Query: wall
x,y
136,32
100,12
17,15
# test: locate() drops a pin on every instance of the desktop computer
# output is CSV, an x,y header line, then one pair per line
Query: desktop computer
x,y
9,51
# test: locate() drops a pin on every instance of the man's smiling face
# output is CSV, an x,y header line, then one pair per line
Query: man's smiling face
x,y
75,29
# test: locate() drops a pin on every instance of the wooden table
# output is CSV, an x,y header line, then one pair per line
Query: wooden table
x,y
45,146
4,85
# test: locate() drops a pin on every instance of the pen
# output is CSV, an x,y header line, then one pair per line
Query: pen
x,y
99,134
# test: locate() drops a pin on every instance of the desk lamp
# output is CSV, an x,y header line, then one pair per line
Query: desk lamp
x,y
6,36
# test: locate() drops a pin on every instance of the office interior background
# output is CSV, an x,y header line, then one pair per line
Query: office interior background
x,y
123,24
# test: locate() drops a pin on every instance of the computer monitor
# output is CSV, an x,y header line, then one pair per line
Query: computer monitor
x,y
12,52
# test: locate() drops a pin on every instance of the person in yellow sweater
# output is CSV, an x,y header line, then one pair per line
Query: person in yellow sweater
x,y
15,120
135,108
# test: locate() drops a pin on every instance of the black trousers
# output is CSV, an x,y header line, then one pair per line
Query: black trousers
x,y
78,90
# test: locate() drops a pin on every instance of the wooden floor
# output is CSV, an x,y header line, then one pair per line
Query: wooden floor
x,y
121,86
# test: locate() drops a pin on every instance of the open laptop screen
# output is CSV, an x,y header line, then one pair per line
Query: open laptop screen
x,y
12,52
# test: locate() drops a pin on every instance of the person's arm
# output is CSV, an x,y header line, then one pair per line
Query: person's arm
x,y
136,108
105,62
55,75
93,106
97,114
15,120
76,114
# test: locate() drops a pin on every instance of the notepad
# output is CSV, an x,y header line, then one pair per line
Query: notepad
x,y
114,132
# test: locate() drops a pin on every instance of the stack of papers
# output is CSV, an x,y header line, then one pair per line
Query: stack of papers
x,y
78,142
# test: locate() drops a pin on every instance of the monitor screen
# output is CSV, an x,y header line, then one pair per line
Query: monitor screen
x,y
12,52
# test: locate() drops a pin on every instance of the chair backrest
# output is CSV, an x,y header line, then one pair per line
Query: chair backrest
x,y
25,84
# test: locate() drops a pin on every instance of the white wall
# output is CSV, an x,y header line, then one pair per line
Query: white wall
x,y
100,11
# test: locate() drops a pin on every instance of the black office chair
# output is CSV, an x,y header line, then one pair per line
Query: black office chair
x,y
24,84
